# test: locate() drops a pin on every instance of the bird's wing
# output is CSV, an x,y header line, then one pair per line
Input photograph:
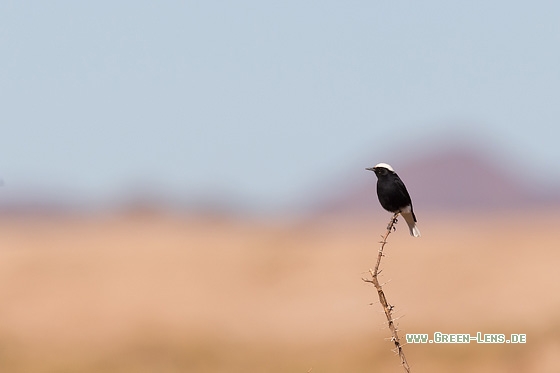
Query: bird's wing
x,y
402,190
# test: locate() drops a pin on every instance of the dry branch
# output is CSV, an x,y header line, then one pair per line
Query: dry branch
x,y
388,308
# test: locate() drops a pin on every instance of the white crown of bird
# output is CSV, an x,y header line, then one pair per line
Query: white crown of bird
x,y
384,165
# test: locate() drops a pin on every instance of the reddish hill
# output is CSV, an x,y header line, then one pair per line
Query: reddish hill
x,y
455,179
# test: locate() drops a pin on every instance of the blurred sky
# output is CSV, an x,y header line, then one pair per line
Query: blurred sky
x,y
261,101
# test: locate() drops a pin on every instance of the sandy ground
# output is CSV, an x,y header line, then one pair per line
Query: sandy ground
x,y
151,292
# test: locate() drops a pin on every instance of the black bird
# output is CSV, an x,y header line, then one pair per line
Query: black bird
x,y
393,195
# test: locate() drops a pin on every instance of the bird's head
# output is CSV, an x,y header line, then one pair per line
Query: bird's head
x,y
381,169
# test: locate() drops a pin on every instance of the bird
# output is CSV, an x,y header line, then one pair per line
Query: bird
x,y
393,196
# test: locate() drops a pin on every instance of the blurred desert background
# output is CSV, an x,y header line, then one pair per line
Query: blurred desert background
x,y
145,289
183,185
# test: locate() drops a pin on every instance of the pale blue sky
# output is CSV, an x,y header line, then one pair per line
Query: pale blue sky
x,y
261,102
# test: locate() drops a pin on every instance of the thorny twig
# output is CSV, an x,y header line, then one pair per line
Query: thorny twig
x,y
383,300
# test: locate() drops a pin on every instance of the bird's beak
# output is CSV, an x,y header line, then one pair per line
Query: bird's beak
x,y
371,169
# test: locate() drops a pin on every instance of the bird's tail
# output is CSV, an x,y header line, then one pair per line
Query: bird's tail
x,y
409,218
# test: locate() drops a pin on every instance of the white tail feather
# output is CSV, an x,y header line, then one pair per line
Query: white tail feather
x,y
414,231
